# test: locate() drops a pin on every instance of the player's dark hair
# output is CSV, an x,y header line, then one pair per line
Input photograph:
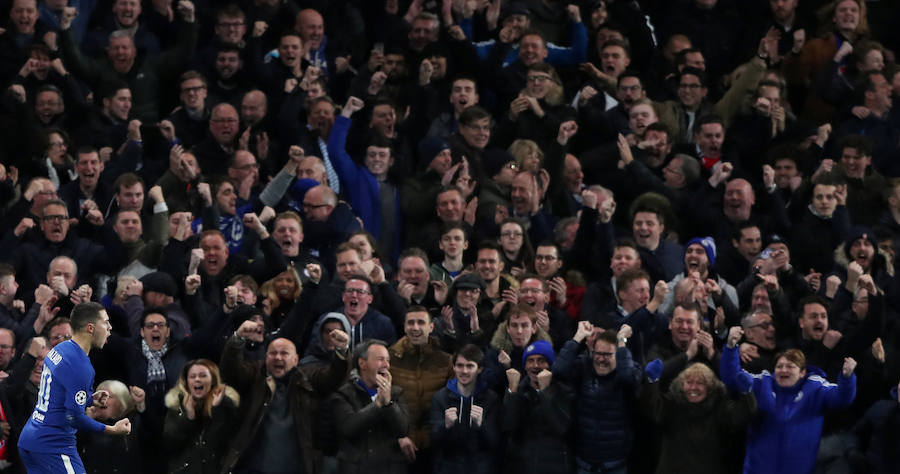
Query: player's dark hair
x,y
84,314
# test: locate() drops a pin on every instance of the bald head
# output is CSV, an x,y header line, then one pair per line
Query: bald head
x,y
254,107
311,27
319,202
739,199
312,168
281,357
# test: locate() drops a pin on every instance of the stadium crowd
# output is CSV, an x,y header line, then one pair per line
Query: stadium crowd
x,y
415,236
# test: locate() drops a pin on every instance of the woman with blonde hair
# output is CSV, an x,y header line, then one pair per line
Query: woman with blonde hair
x,y
698,421
202,411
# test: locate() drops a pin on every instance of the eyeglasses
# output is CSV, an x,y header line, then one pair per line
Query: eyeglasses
x,y
510,234
54,218
358,291
765,325
155,325
539,78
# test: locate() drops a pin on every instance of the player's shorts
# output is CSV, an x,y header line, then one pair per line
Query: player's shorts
x,y
47,463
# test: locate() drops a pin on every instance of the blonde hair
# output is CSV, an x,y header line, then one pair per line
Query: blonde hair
x,y
184,393
522,147
698,371
120,391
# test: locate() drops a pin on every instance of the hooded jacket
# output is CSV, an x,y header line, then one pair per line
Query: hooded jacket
x,y
465,447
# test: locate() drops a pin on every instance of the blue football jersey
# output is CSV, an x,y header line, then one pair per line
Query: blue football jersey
x,y
66,389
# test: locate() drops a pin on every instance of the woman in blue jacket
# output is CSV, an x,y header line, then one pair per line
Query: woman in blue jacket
x,y
784,437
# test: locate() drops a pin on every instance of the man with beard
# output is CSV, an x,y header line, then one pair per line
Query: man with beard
x,y
281,399
230,31
228,82
420,368
371,413
501,290
827,348
648,142
861,248
606,381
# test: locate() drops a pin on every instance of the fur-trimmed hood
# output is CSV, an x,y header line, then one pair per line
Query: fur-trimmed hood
x,y
880,261
502,342
174,396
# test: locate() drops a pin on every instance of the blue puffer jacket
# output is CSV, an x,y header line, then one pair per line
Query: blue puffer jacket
x,y
603,407
784,438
